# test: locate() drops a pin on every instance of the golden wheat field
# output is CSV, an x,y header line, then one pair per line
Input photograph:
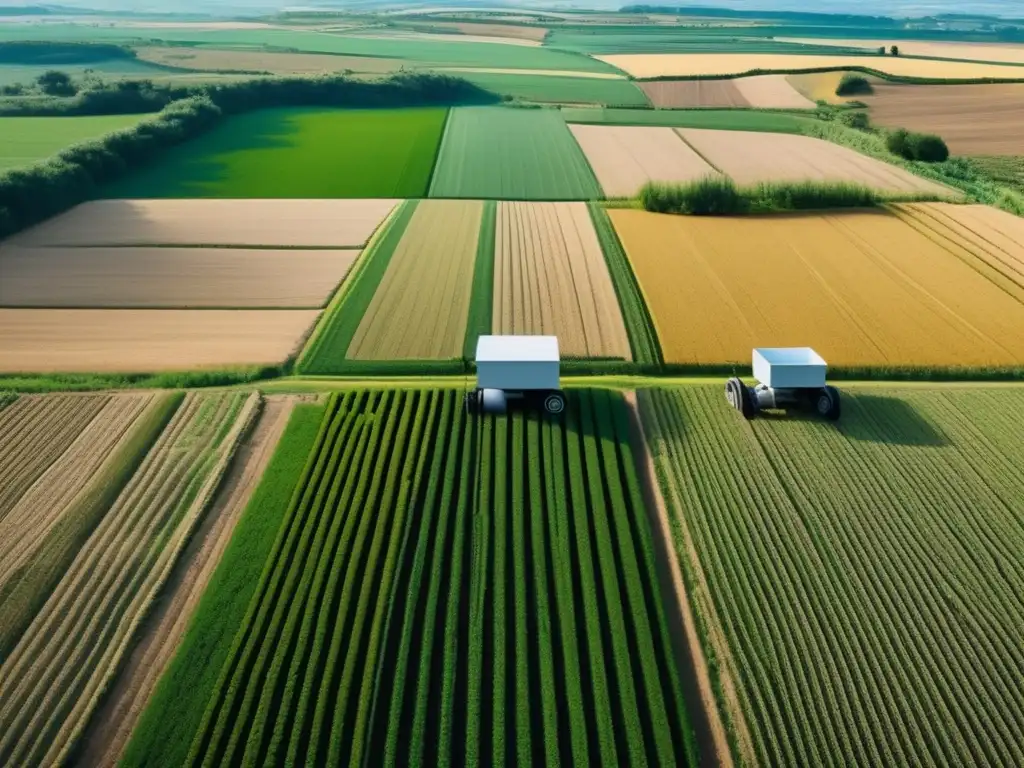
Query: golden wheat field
x,y
862,288
420,308
1006,53
550,277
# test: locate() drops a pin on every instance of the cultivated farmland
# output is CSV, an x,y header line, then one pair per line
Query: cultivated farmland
x,y
762,91
750,158
298,153
528,86
1005,53
458,603
719,119
54,676
519,154
169,277
265,61
255,223
862,288
626,158
859,585
128,340
26,140
421,306
550,277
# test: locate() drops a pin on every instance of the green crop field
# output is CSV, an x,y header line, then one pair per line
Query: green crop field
x,y
865,576
719,119
560,90
511,154
112,69
671,39
441,593
299,153
25,140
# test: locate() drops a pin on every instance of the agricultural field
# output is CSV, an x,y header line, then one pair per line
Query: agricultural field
x,y
26,140
550,277
421,306
516,31
614,92
241,60
760,91
235,223
858,584
298,153
511,154
972,119
626,158
1002,53
112,69
865,289
821,86
134,341
671,39
697,64
750,158
717,119
422,569
55,674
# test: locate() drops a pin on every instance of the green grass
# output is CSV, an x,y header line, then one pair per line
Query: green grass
x,y
601,40
298,153
87,382
440,594
560,90
889,544
511,154
719,119
25,140
1005,170
26,74
481,305
166,726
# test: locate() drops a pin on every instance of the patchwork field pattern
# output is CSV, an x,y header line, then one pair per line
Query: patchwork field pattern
x,y
511,154
52,679
550,277
26,140
718,119
242,60
862,288
420,308
750,158
626,158
761,91
528,86
859,583
456,604
1006,53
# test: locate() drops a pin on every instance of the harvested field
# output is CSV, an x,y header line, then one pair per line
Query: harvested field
x,y
821,86
750,158
973,119
761,91
1004,53
550,277
420,308
864,578
207,59
180,278
626,158
515,31
256,223
54,676
135,341
694,64
862,288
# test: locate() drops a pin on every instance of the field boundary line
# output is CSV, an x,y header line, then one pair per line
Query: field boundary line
x,y
481,307
437,151
700,154
200,246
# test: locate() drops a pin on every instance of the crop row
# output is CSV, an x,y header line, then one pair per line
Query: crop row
x,y
455,590
864,578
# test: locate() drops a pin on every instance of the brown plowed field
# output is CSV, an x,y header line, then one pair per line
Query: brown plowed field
x,y
169,277
550,277
420,308
35,431
862,288
626,158
129,340
761,91
973,119
750,157
35,514
257,223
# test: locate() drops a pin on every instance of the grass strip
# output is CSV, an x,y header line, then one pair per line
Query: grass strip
x,y
166,727
482,301
643,339
26,592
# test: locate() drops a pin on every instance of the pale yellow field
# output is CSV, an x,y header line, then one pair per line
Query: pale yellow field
x,y
625,158
1012,53
264,223
420,309
822,86
862,288
763,91
169,277
688,64
550,277
137,341
750,157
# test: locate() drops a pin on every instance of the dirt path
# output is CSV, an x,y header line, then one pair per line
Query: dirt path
x,y
112,724
712,740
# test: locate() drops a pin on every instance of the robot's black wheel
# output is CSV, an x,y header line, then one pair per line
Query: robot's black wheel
x,y
827,404
737,394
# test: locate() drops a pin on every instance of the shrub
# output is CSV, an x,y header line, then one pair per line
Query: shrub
x,y
56,83
858,120
898,143
811,195
853,85
715,196
926,147
710,196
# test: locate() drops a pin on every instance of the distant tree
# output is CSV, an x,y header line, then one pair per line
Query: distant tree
x,y
881,50
853,85
56,83
13,89
858,120
895,50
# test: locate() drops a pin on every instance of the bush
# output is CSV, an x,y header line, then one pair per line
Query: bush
x,y
710,196
811,195
56,83
898,142
719,196
854,85
858,120
926,147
